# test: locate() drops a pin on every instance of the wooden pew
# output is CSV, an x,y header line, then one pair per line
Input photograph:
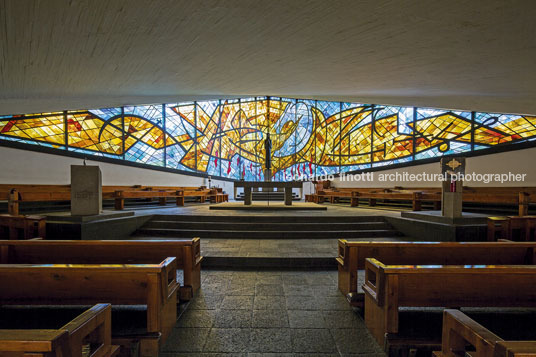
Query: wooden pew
x,y
186,251
11,227
90,332
120,196
352,255
15,197
388,287
16,193
520,196
504,228
459,330
415,197
153,285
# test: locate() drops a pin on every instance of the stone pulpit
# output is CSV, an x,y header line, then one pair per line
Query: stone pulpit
x,y
86,190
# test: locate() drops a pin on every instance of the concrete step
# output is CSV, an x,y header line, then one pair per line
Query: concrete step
x,y
256,234
267,226
251,218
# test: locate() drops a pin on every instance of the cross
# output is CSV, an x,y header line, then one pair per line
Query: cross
x,y
453,164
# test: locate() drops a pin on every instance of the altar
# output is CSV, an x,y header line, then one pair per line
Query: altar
x,y
249,185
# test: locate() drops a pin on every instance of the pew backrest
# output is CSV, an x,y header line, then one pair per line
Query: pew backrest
x,y
451,285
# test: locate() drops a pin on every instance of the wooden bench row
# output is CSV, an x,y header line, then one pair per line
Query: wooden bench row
x,y
520,196
389,287
15,194
433,274
22,227
89,334
116,272
521,228
352,255
462,336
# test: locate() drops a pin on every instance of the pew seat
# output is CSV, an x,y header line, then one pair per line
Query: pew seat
x,y
151,285
186,251
88,334
352,255
388,287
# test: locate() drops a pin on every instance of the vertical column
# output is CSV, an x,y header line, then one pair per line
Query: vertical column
x,y
247,195
451,197
288,195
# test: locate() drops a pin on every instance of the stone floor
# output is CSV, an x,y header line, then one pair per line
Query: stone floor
x,y
280,248
271,313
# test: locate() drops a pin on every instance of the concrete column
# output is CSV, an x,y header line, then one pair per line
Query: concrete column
x,y
86,190
451,202
247,196
288,196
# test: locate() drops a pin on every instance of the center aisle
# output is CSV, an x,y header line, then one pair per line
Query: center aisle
x,y
270,313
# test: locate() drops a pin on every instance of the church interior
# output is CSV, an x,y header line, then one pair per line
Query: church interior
x,y
267,178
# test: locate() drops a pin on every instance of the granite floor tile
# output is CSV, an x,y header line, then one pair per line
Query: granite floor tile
x,y
298,290
355,341
270,318
200,354
269,289
197,318
232,318
186,340
305,319
270,340
343,319
237,302
334,303
227,340
312,340
215,288
241,289
269,303
302,303
205,302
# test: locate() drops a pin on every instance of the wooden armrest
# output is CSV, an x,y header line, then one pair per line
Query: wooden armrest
x,y
343,252
374,276
33,340
169,277
93,328
459,329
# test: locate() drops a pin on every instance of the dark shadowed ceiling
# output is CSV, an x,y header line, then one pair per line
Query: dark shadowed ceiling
x,y
474,54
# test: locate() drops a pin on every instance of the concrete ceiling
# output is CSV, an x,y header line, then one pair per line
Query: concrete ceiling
x,y
474,54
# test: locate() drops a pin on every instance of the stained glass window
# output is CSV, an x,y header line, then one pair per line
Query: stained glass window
x,y
47,129
144,134
225,138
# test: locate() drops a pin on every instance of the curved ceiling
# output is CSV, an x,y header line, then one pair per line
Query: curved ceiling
x,y
73,54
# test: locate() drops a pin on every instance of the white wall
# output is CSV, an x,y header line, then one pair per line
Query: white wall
x,y
30,167
516,162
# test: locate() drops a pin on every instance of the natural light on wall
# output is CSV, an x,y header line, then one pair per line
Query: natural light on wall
x,y
225,137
